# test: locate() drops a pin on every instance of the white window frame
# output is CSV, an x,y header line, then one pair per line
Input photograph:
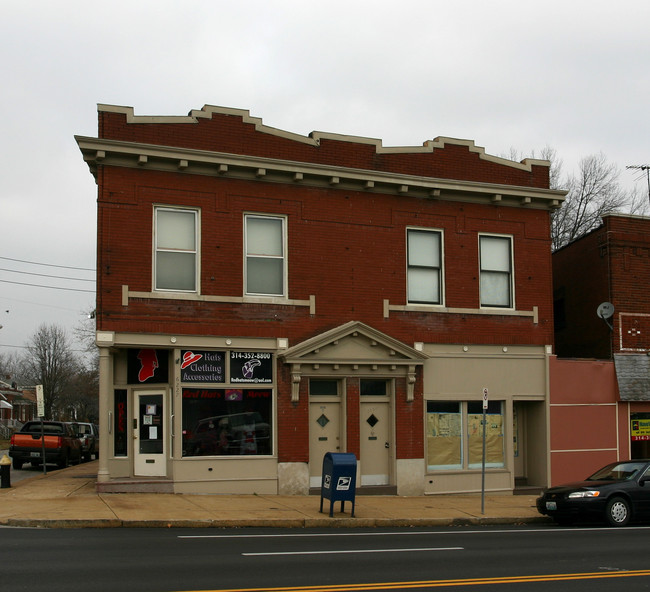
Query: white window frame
x,y
440,268
510,273
195,251
283,257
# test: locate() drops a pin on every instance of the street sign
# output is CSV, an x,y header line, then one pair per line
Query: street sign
x,y
484,422
40,401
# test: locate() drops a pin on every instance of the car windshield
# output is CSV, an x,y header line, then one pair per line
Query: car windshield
x,y
617,472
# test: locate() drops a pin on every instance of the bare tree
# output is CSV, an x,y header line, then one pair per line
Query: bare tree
x,y
10,368
81,400
593,192
51,363
85,388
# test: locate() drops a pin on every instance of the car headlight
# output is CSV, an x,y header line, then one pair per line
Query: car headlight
x,y
588,493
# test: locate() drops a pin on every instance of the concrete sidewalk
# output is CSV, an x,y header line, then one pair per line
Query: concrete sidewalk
x,y
67,499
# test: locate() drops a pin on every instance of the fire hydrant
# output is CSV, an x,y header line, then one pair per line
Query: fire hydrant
x,y
5,475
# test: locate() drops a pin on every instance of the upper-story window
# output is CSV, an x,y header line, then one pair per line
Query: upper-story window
x,y
265,260
496,271
424,274
175,249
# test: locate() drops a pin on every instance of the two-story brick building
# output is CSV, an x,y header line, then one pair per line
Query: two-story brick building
x,y
602,305
265,297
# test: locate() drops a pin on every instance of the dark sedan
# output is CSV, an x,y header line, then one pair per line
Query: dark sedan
x,y
617,493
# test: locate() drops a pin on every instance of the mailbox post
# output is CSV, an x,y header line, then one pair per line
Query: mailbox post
x,y
339,480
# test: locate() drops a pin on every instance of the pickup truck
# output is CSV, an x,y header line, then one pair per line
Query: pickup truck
x,y
89,435
62,444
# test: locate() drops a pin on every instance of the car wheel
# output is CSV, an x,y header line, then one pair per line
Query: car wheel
x,y
87,457
618,512
17,464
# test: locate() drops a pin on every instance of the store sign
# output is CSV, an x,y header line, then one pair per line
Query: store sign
x,y
251,367
203,366
640,429
150,366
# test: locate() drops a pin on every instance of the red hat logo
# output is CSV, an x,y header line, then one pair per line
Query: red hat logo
x,y
189,358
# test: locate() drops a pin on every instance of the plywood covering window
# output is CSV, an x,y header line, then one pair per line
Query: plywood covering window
x,y
444,435
454,433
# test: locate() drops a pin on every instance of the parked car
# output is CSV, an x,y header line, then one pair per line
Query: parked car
x,y
89,436
617,493
59,440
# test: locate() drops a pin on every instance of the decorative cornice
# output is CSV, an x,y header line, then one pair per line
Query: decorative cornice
x,y
315,137
97,151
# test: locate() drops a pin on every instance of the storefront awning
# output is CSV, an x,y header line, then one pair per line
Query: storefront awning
x,y
6,405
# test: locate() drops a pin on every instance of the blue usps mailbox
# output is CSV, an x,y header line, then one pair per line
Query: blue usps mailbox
x,y
339,480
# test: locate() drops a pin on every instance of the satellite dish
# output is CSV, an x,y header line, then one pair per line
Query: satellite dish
x,y
605,310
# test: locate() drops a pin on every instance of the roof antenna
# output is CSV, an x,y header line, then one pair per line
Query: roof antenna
x,y
642,167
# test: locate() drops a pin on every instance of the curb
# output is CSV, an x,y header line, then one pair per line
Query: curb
x,y
344,522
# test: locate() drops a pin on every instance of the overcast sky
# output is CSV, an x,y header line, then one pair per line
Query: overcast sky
x,y
573,75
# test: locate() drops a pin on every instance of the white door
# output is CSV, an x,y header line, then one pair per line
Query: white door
x,y
324,435
149,437
375,441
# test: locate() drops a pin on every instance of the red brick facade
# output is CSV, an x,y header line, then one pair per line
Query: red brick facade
x,y
348,203
611,264
346,247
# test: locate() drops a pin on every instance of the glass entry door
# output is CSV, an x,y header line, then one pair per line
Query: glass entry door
x,y
149,435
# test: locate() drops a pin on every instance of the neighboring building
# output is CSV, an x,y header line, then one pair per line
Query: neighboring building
x,y
265,297
610,418
16,407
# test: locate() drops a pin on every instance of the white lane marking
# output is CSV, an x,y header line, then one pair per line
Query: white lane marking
x,y
353,551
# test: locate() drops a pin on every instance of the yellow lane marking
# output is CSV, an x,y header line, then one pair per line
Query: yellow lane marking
x,y
442,583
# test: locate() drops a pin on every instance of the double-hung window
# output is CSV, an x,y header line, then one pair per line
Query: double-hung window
x,y
424,272
265,259
495,254
175,249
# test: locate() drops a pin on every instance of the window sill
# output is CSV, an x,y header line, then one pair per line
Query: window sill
x,y
503,312
194,297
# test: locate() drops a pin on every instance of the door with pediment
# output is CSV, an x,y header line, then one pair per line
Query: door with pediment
x,y
375,432
324,424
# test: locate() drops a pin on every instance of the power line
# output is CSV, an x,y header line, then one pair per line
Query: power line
x,y
48,264
51,287
23,301
58,277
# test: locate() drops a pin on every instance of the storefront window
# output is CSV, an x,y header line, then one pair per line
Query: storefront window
x,y
493,435
444,435
449,449
226,422
120,438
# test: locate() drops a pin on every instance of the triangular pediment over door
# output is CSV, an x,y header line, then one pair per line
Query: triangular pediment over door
x,y
353,348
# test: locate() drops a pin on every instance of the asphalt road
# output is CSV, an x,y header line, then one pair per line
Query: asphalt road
x,y
333,560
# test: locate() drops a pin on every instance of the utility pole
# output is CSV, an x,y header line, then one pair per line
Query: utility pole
x,y
642,168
